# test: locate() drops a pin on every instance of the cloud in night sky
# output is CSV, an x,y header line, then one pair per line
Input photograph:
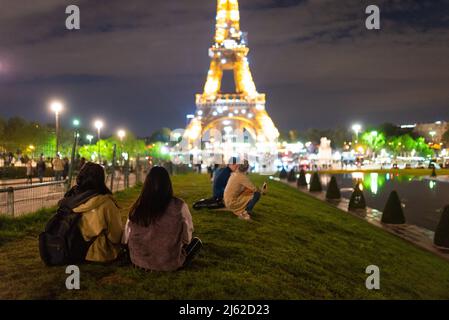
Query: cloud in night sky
x,y
139,63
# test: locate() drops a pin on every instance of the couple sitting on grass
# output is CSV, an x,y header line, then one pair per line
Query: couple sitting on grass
x,y
158,232
233,189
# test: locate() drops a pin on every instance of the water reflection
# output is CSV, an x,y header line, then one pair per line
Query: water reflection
x,y
423,197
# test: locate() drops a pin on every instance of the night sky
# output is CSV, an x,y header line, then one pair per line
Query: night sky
x,y
138,63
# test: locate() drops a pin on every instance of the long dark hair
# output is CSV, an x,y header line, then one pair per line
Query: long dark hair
x,y
156,195
90,178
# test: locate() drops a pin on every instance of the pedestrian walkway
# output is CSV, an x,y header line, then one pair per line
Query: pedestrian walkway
x,y
20,182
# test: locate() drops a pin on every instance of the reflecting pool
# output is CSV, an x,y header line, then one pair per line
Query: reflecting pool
x,y
423,198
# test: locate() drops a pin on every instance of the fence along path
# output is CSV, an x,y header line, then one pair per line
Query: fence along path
x,y
19,200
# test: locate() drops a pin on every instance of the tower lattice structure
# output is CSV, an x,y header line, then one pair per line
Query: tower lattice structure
x,y
245,107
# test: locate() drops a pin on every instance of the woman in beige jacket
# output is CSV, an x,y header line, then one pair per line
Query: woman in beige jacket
x,y
240,194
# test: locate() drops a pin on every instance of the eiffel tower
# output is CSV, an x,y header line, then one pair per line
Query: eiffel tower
x,y
230,124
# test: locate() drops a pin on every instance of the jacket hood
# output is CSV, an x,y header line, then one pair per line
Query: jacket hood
x,y
94,203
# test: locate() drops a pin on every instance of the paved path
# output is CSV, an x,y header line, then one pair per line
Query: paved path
x,y
20,182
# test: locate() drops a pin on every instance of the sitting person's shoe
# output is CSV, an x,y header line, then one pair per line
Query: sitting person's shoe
x,y
245,216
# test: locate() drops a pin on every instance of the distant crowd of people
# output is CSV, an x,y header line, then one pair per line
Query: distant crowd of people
x,y
158,234
59,166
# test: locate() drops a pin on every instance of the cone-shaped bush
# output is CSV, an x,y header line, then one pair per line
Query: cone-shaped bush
x,y
302,181
333,192
283,174
434,173
357,200
291,176
442,232
393,213
315,184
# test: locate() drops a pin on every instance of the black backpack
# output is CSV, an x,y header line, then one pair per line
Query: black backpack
x,y
62,242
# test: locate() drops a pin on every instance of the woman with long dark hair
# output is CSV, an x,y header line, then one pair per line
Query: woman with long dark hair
x,y
159,229
100,221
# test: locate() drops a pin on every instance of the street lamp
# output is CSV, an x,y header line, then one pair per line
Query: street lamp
x,y
357,128
56,107
99,125
76,123
89,137
121,134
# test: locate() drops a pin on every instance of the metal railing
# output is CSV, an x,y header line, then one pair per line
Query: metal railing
x,y
16,201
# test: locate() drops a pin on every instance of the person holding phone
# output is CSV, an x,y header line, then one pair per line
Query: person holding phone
x,y
240,195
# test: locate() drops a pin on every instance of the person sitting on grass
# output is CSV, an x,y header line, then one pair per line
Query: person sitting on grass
x,y
220,180
101,220
240,195
159,228
222,177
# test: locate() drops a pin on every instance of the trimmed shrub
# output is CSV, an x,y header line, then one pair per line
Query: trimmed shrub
x,y
291,176
302,181
393,213
315,184
441,238
333,191
283,174
357,200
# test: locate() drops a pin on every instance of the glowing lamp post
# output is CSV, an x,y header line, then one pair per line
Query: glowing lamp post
x,y
99,125
56,107
121,135
89,137
357,128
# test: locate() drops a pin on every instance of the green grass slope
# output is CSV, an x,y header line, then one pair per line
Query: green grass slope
x,y
296,247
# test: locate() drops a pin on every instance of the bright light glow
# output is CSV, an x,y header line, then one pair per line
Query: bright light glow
x,y
56,107
214,113
190,116
76,122
374,182
357,175
99,124
121,134
200,112
90,138
228,129
308,177
357,128
164,150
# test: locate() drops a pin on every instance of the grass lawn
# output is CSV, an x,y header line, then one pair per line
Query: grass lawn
x,y
296,247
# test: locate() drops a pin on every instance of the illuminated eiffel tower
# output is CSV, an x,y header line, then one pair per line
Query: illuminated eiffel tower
x,y
230,124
